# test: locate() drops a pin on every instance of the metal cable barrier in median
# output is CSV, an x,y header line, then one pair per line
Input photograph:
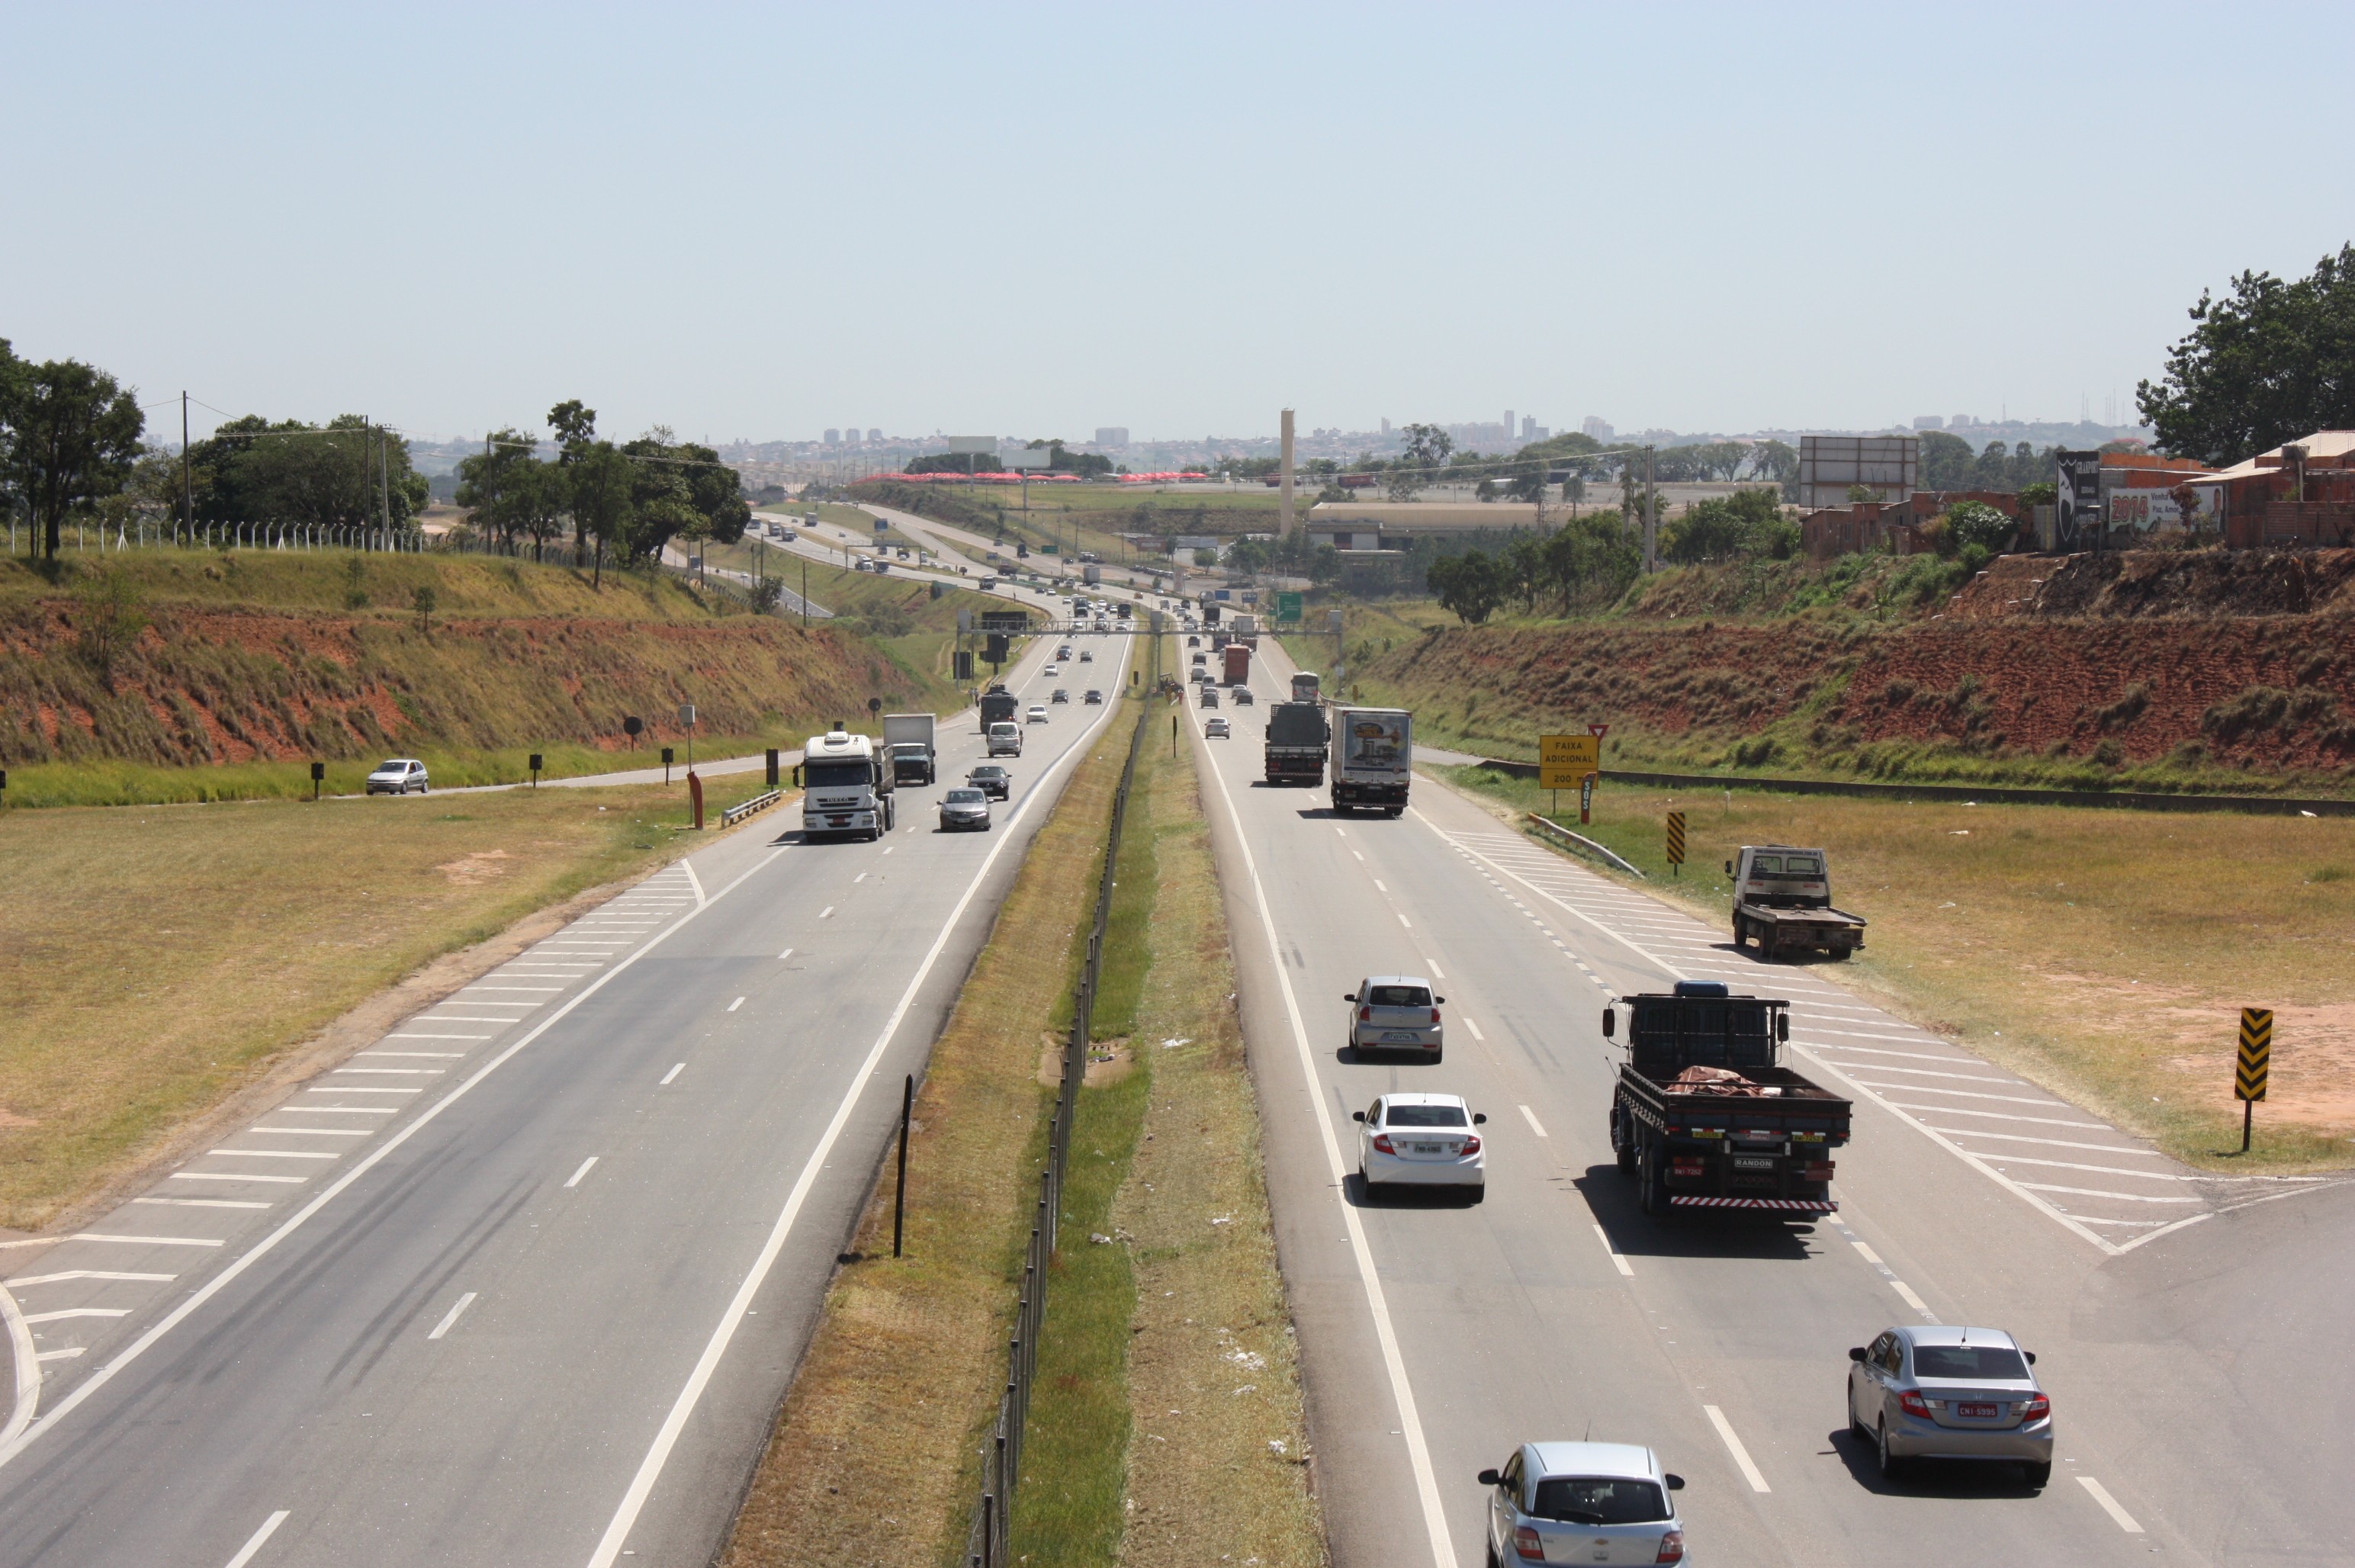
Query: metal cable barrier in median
x,y
1001,1459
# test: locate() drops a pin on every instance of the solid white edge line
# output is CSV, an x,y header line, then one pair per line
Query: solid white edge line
x,y
696,883
1618,1260
253,1544
27,1362
451,1319
1532,1117
574,1180
327,1194
1434,1516
1734,1446
642,1485
2118,1515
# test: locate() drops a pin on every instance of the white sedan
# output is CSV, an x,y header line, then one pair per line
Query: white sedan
x,y
1420,1140
1035,714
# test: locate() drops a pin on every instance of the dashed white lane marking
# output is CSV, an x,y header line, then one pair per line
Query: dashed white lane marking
x,y
2118,1516
1378,887
734,1005
1532,1117
673,1073
1402,920
211,1175
1435,973
317,1132
574,1180
276,1153
144,1241
889,847
825,912
1361,860
452,1317
788,953
1905,1294
1734,1446
253,1542
860,877
1476,1031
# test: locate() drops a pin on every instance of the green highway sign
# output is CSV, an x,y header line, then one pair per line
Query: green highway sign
x,y
1287,606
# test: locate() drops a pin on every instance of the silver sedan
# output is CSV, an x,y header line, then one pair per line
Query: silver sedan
x,y
1938,1392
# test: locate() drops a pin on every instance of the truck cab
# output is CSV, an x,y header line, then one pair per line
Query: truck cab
x,y
1782,900
846,786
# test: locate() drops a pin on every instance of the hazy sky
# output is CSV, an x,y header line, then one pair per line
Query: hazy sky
x,y
761,221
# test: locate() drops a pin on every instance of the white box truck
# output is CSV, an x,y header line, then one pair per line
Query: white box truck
x,y
908,740
846,787
1373,758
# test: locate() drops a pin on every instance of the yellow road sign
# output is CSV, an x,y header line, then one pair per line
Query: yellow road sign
x,y
1676,838
2257,1054
1563,760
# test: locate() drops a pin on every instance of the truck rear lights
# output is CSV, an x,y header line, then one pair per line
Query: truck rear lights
x,y
2035,1407
1913,1405
1526,1544
1672,1547
1382,1144
1820,1170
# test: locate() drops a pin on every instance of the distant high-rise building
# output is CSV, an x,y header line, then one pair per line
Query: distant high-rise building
x,y
1961,421
833,438
875,436
1386,425
1928,421
1598,427
1112,435
1509,429
1529,431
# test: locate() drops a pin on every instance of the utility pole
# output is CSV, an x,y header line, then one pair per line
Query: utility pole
x,y
1284,524
1651,516
187,486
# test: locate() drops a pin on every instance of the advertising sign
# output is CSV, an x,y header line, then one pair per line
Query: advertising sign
x,y
1564,760
2077,520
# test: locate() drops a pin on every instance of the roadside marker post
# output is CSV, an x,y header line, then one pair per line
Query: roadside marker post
x,y
319,771
667,756
2255,1067
1677,841
899,1197
537,761
1586,800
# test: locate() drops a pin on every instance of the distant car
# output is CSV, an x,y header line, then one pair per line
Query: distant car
x,y
1395,1012
1216,729
992,781
1064,652
963,808
1093,697
1086,656
1051,671
1201,659
1939,1391
1420,1140
861,565
1193,642
1243,697
1210,696
1583,1502
1061,696
1035,714
398,776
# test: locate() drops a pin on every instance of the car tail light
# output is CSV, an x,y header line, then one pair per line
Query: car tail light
x,y
1434,1015
2035,1407
1672,1547
1527,1544
1365,1014
1471,1144
1382,1144
1913,1405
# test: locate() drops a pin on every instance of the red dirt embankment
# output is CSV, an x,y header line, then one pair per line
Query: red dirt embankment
x,y
228,685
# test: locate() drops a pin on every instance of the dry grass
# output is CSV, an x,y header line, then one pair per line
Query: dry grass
x,y
158,959
2103,954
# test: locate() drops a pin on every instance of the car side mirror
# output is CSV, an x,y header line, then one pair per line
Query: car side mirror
x,y
1439,1001
1610,1023
1347,998
1783,1027
1480,1118
1490,1478
1856,1352
2031,1357
1356,1115
1675,1482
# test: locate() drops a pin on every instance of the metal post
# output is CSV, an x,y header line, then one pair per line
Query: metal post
x,y
900,1198
2248,1120
187,486
1651,516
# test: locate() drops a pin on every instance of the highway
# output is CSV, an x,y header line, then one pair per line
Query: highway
x,y
522,1282
2173,1314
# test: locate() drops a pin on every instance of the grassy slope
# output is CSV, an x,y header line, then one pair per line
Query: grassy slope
x,y
2103,954
254,664
158,959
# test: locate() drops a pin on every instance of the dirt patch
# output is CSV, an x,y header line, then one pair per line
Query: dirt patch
x,y
1109,1061
473,869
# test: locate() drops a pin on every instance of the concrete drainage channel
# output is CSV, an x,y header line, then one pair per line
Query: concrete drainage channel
x,y
1001,1462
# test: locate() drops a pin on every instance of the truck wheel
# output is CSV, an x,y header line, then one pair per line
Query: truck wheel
x,y
1841,953
1396,810
1623,1151
1741,932
1652,1192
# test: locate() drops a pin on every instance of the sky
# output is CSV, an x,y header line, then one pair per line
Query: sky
x,y
756,222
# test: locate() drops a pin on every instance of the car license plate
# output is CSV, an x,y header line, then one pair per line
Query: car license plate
x,y
1399,1037
1753,1162
1978,1412
1428,1149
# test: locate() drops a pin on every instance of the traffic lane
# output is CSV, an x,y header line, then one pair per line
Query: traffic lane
x,y
506,1127
1488,933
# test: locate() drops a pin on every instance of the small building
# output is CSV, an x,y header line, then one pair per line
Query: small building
x,y
2300,495
1896,527
1388,524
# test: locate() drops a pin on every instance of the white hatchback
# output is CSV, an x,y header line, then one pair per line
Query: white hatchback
x,y
1583,1502
1420,1140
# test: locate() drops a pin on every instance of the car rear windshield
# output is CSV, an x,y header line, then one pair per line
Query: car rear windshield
x,y
1400,996
1584,1501
1988,1363
964,796
832,775
1426,1117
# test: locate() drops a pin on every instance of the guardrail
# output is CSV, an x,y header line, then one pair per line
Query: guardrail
x,y
1579,843
1001,1456
738,812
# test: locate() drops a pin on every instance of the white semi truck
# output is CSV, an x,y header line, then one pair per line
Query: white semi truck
x,y
910,741
1373,759
846,786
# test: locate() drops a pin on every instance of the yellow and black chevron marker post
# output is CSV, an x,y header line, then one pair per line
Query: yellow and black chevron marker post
x,y
2255,1065
1677,840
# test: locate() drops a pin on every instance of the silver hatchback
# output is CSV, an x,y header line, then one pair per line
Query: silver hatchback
x,y
1938,1392
1583,1502
1395,1012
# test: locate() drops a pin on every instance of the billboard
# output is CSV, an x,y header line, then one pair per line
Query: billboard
x,y
976,446
1830,465
2149,511
1027,459
2077,519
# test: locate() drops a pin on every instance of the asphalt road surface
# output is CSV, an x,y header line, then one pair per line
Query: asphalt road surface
x,y
524,1282
2193,1334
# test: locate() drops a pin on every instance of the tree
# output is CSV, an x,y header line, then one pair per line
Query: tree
x,y
2270,363
600,489
1469,585
110,619
512,493
1976,523
1427,449
1086,464
71,436
1748,522
341,473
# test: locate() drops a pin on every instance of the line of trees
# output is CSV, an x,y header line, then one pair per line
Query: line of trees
x,y
69,439
1587,562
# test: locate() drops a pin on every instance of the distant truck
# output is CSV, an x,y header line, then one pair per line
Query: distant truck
x,y
909,739
1092,574
1373,759
1782,900
998,706
1238,670
846,787
1296,738
1306,686
1705,1115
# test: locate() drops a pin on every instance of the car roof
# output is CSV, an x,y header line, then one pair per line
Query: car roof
x,y
1396,980
1423,1097
1954,1334
1610,1459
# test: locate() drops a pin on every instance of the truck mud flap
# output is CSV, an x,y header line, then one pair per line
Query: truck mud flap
x,y
1780,1205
